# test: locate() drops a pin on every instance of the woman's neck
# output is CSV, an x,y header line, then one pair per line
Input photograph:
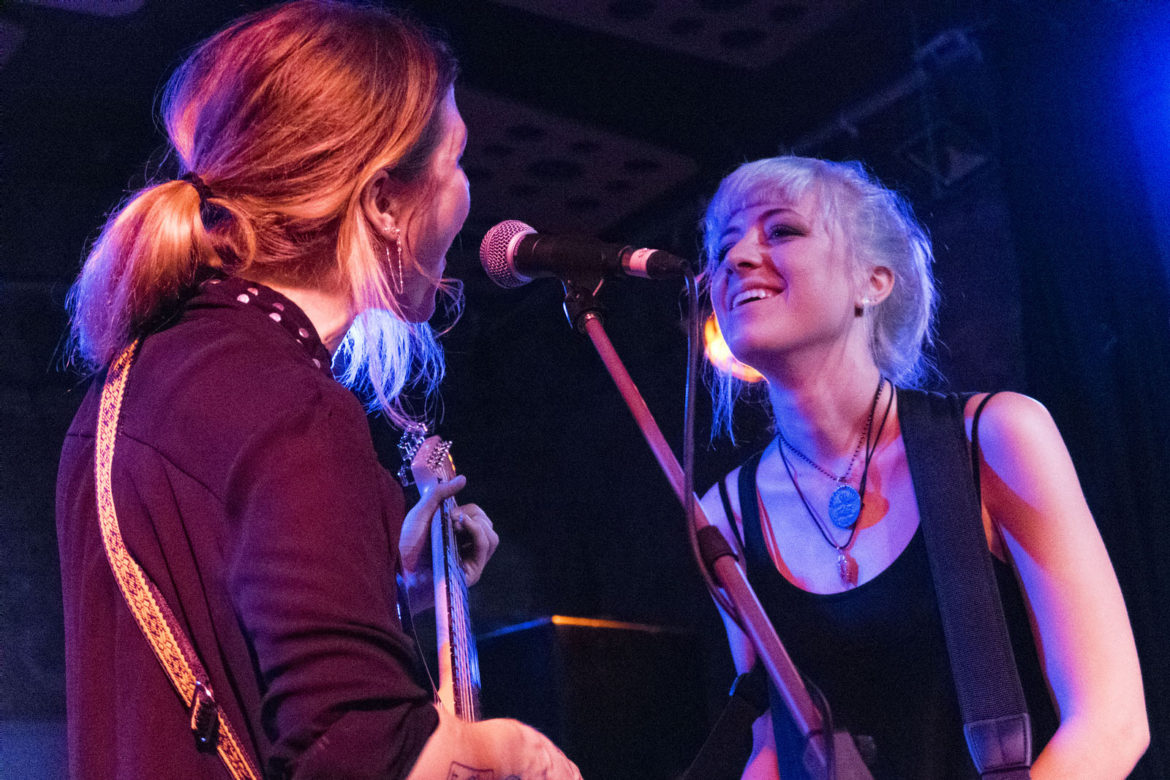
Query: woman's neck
x,y
330,311
823,413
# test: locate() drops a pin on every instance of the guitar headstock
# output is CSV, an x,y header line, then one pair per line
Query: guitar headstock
x,y
426,459
413,436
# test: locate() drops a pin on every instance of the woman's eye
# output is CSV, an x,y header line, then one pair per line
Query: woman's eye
x,y
721,253
782,231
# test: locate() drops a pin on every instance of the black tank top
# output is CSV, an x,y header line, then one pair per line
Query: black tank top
x,y
878,654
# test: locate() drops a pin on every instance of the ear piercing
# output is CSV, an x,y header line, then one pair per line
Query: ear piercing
x,y
395,269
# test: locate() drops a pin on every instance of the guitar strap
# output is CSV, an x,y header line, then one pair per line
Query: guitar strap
x,y
991,699
209,724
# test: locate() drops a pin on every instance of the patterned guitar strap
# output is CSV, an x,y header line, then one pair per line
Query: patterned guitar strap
x,y
174,650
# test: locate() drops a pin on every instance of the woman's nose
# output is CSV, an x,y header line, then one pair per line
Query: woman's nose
x,y
743,255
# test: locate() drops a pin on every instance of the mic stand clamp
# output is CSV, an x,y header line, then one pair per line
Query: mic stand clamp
x,y
581,299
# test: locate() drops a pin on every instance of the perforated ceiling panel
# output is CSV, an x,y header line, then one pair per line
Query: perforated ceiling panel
x,y
747,33
556,174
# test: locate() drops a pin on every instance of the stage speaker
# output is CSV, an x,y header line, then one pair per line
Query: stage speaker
x,y
622,700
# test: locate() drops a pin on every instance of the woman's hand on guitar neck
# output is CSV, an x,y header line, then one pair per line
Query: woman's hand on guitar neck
x,y
477,539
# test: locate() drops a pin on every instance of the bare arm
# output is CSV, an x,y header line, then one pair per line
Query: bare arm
x,y
504,749
762,764
1079,621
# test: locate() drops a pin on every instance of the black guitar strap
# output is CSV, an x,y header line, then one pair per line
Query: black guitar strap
x,y
991,698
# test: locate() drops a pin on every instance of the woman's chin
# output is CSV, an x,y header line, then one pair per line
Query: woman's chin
x,y
417,304
420,312
748,352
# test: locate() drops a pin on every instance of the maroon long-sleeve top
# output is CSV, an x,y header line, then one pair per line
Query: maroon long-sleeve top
x,y
247,487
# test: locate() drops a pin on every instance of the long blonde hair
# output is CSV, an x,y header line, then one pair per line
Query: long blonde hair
x,y
284,115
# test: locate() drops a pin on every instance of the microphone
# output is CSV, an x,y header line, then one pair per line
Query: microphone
x,y
513,253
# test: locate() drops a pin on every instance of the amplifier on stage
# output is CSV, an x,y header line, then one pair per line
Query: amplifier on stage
x,y
623,700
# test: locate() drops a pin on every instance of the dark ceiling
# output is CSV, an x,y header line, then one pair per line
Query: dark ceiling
x,y
583,115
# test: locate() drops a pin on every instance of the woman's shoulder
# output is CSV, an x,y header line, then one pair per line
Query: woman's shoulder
x,y
1009,419
713,500
717,511
207,381
1024,463
730,481
237,349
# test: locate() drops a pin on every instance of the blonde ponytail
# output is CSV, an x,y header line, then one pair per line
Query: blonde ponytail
x,y
147,254
286,115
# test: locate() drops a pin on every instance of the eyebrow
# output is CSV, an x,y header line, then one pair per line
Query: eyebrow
x,y
762,216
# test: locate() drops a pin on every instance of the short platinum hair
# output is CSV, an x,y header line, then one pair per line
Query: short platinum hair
x,y
880,230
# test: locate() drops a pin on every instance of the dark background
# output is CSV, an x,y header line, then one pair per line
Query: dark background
x,y
1033,139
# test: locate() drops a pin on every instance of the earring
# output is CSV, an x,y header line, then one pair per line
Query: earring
x,y
859,310
395,268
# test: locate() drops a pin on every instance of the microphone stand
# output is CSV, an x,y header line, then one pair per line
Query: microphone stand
x,y
821,757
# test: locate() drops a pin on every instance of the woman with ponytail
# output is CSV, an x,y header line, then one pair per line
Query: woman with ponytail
x,y
245,526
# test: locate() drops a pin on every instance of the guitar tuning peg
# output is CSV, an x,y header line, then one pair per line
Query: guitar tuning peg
x,y
413,436
439,455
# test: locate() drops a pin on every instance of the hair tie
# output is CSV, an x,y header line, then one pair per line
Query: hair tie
x,y
195,181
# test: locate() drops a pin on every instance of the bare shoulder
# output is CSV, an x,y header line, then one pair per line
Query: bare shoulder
x,y
741,649
1029,483
1012,425
1031,492
713,505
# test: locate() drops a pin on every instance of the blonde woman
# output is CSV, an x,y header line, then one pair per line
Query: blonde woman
x,y
321,189
820,278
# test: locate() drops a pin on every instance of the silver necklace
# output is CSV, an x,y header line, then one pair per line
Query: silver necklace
x,y
845,500
847,568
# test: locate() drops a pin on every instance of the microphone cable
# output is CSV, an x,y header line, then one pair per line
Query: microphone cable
x,y
693,338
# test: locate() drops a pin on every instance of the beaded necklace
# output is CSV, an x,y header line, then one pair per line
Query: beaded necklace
x,y
845,500
847,568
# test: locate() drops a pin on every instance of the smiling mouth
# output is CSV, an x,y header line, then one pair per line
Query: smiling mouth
x,y
755,294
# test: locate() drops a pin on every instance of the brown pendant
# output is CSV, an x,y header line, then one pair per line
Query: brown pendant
x,y
847,568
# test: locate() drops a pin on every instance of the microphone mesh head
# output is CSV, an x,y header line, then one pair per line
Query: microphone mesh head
x,y
494,253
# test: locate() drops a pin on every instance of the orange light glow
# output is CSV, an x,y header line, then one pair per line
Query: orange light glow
x,y
717,351
565,620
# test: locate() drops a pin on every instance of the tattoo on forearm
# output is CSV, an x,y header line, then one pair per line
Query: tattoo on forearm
x,y
463,772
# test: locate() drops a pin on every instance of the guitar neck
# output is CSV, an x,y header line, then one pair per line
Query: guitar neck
x,y
430,463
458,660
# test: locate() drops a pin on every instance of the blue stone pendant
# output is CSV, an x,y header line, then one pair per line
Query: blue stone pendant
x,y
844,506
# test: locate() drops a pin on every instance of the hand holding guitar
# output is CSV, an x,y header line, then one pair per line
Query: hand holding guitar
x,y
473,528
500,748
477,540
457,542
